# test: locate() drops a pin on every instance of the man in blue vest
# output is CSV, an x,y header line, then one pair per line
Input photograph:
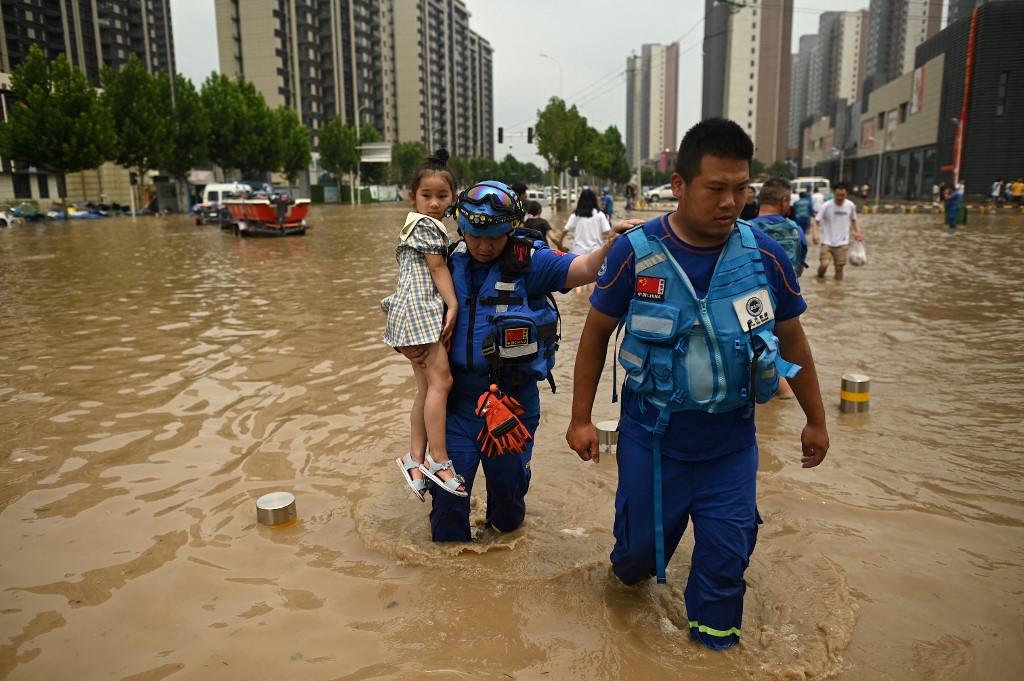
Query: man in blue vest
x,y
710,307
505,336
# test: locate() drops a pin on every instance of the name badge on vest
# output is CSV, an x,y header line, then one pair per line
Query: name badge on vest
x,y
650,288
753,309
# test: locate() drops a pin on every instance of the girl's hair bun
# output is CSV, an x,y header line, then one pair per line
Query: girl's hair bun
x,y
440,156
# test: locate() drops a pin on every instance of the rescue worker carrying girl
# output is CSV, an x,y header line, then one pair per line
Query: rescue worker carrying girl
x,y
504,342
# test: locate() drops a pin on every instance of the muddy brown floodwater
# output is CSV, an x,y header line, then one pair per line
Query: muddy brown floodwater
x,y
157,378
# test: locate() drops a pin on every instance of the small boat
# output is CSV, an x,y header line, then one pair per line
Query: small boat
x,y
273,215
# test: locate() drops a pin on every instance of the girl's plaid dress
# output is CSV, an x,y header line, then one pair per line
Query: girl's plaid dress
x,y
415,310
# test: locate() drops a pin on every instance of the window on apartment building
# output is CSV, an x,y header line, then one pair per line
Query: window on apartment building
x,y
22,185
43,182
903,112
1004,82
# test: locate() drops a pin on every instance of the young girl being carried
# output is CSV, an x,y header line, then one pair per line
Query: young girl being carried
x,y
421,312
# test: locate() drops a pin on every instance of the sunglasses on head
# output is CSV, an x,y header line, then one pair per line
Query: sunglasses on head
x,y
496,196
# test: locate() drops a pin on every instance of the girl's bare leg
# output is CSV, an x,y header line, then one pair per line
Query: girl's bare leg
x,y
435,408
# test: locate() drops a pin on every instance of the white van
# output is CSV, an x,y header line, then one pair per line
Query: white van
x,y
210,210
821,184
535,195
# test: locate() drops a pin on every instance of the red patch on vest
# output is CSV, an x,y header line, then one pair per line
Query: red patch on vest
x,y
651,288
516,337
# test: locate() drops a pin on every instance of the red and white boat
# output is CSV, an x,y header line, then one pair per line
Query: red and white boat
x,y
273,215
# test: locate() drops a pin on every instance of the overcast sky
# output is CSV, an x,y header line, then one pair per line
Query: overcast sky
x,y
587,44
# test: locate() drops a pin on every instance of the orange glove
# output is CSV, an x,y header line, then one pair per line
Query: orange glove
x,y
502,432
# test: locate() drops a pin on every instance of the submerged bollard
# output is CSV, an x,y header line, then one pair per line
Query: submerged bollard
x,y
276,509
607,436
855,393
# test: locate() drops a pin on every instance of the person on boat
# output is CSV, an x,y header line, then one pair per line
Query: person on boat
x,y
709,306
421,314
504,342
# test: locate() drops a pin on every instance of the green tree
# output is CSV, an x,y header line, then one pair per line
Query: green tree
x,y
143,121
222,101
481,169
405,156
257,147
779,169
463,173
338,150
58,124
190,127
561,134
295,147
371,173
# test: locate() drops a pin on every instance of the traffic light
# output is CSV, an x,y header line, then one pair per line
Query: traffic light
x,y
501,135
574,168
529,135
133,178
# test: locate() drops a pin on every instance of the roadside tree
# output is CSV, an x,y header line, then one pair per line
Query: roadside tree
x,y
338,154
190,128
295,147
58,124
143,121
405,156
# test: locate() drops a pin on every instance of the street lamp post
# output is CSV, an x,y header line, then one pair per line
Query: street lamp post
x,y
560,92
878,174
814,163
839,150
359,153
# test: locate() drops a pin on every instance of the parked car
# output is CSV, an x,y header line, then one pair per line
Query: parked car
x,y
662,193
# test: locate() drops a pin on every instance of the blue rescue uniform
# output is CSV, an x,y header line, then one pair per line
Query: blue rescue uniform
x,y
708,463
507,475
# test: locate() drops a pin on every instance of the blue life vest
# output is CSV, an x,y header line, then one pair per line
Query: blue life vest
x,y
500,331
716,354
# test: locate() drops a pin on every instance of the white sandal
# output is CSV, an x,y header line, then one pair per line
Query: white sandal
x,y
431,468
419,487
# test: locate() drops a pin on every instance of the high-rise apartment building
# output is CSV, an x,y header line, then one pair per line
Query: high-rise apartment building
x,y
747,70
444,78
652,100
367,61
799,81
837,64
961,9
90,33
895,29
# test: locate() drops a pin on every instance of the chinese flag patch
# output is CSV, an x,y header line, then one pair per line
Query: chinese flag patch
x,y
650,288
516,337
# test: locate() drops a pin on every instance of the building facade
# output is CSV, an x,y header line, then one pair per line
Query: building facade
x,y
951,119
365,61
747,70
652,101
90,34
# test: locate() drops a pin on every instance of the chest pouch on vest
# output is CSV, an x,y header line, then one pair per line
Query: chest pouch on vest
x,y
660,338
515,340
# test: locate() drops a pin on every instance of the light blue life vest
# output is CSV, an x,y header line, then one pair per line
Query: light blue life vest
x,y
716,354
500,331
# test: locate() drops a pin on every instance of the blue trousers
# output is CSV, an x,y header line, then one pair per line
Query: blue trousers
x,y
720,496
507,479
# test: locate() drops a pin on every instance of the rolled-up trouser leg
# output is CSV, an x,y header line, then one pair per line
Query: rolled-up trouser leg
x,y
725,520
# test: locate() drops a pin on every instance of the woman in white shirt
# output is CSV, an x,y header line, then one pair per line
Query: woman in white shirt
x,y
587,224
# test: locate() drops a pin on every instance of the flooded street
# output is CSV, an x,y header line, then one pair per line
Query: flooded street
x,y
157,378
